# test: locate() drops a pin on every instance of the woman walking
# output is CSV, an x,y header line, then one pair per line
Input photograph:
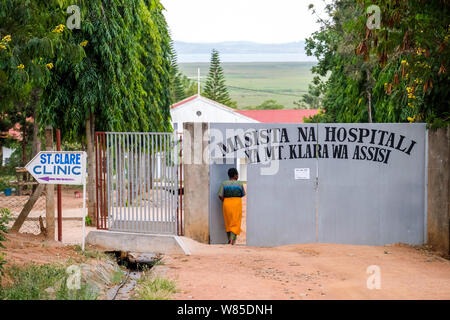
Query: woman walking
x,y
231,192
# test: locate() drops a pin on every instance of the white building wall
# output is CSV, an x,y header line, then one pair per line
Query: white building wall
x,y
201,110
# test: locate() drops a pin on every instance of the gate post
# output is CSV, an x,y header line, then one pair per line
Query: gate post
x,y
439,189
196,182
50,190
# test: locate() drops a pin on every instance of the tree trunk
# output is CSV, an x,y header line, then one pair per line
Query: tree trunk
x,y
91,187
27,208
36,146
50,188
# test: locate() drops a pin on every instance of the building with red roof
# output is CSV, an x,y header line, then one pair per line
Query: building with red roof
x,y
200,109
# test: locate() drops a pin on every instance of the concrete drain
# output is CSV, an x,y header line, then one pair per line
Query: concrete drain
x,y
134,263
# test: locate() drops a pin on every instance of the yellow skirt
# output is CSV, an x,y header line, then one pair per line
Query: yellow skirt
x,y
232,214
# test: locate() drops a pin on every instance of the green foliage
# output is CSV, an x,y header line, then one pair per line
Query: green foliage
x,y
124,78
312,99
215,88
5,218
32,282
399,70
177,89
155,288
115,68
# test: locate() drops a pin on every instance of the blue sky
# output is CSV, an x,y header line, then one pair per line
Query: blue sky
x,y
264,21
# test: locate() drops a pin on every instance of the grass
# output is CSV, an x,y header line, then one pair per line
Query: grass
x,y
41,282
154,288
117,277
288,78
90,254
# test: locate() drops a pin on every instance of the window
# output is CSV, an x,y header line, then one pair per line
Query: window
x,y
199,113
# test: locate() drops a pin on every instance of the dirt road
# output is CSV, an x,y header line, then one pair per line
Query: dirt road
x,y
309,271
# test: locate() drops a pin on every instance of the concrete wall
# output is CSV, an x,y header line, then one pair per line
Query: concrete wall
x,y
439,189
196,182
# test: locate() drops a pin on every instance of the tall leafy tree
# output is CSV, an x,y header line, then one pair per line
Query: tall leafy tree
x,y
29,43
177,88
215,87
121,84
394,73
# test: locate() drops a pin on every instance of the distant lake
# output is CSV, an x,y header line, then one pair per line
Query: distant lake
x,y
251,57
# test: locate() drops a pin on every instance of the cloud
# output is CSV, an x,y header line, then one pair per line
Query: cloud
x,y
263,21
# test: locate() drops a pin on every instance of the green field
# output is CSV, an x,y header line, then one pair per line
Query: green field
x,y
285,81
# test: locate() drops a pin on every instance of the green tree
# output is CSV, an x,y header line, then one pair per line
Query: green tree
x,y
190,87
122,81
312,99
396,73
215,88
412,50
28,46
177,90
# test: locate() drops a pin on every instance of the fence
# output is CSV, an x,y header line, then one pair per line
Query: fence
x,y
137,182
16,203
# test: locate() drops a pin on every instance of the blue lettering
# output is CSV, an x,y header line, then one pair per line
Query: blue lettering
x,y
66,158
34,169
49,157
78,158
62,169
78,172
45,171
72,158
57,158
42,158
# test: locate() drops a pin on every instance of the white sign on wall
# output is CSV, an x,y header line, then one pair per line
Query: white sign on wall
x,y
301,173
59,167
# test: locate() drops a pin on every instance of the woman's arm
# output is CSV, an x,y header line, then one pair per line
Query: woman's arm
x,y
220,193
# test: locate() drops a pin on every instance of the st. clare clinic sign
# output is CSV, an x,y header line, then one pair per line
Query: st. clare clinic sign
x,y
59,167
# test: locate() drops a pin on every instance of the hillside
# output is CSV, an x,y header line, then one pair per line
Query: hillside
x,y
242,51
251,83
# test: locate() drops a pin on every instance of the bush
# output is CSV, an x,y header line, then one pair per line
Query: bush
x,y
34,282
5,218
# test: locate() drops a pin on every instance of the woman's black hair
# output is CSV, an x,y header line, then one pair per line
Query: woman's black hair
x,y
232,172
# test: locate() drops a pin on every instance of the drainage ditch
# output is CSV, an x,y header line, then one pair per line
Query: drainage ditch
x,y
134,264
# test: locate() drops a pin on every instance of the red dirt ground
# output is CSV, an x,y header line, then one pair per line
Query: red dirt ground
x,y
307,271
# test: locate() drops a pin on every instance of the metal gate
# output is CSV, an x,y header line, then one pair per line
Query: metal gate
x,y
366,183
137,182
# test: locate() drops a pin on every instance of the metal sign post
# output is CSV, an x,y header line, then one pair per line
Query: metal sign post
x,y
61,167
84,216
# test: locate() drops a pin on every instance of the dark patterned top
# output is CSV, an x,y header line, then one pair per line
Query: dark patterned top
x,y
231,189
